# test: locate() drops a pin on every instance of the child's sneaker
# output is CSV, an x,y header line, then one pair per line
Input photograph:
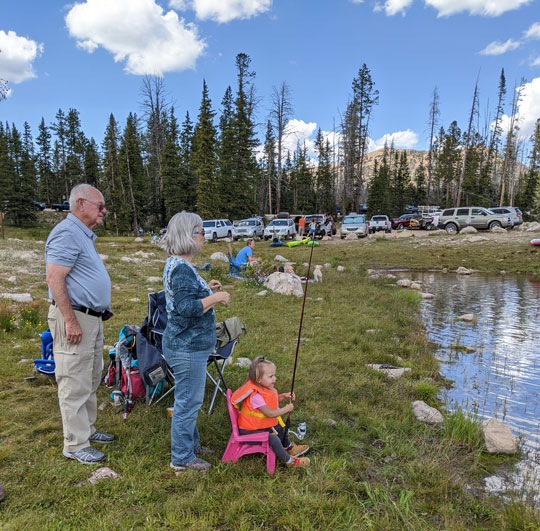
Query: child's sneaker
x,y
298,462
296,450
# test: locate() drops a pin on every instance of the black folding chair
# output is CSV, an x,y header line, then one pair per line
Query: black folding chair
x,y
221,354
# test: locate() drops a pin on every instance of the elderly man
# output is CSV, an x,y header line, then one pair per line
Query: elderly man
x,y
80,289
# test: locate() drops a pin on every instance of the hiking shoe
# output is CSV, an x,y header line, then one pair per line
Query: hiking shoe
x,y
296,450
202,450
101,437
86,456
197,464
298,462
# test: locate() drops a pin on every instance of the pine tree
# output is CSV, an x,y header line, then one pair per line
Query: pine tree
x,y
49,188
226,152
113,190
75,146
130,166
399,184
325,199
244,162
420,195
378,190
171,169
448,164
529,198
204,158
60,153
92,173
187,176
280,114
303,182
269,168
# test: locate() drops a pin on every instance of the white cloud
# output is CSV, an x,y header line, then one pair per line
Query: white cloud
x,y
400,139
392,7
226,10
490,8
535,62
137,32
17,55
296,133
498,48
533,32
528,109
179,5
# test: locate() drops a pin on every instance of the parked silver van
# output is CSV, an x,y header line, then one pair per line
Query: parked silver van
x,y
454,219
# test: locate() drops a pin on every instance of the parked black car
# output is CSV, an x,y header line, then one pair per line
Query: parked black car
x,y
60,206
39,205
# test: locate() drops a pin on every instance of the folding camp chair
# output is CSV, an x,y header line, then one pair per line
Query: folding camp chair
x,y
253,443
45,365
221,354
234,268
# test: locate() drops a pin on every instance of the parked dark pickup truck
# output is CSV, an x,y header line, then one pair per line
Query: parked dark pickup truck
x,y
60,206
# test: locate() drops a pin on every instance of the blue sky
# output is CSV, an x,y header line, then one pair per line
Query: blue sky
x,y
91,56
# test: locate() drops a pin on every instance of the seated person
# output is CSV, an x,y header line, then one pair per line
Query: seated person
x,y
290,270
245,256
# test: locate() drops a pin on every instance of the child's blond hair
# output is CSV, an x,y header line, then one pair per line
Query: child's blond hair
x,y
257,367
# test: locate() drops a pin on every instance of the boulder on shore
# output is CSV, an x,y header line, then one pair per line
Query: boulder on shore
x,y
404,283
498,437
392,372
284,284
219,257
425,413
468,230
17,297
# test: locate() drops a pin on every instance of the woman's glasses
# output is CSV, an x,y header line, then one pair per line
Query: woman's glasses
x,y
201,232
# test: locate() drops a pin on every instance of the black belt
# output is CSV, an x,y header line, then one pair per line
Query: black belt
x,y
83,309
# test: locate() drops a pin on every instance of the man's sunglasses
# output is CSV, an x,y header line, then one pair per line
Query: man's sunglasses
x,y
101,206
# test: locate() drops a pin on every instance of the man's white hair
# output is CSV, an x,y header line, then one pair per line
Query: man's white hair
x,y
78,192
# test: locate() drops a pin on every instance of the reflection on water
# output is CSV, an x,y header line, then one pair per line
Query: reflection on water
x,y
494,361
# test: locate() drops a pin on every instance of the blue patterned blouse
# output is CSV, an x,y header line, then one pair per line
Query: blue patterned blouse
x,y
188,328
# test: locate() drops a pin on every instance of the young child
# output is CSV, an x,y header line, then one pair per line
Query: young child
x,y
260,411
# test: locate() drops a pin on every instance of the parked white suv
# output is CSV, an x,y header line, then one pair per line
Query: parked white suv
x,y
249,228
377,223
217,228
280,228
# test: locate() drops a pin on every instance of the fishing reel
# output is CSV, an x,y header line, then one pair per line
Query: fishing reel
x,y
301,431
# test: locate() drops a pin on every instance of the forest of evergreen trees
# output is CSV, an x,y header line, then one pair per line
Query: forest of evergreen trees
x,y
156,164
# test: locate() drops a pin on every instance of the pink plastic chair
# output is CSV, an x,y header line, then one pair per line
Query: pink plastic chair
x,y
238,444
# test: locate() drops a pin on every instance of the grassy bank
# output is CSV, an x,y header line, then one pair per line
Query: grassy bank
x,y
373,465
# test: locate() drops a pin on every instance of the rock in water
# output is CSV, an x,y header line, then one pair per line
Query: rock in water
x,y
469,317
498,437
463,271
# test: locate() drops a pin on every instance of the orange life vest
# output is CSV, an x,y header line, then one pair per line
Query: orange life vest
x,y
251,418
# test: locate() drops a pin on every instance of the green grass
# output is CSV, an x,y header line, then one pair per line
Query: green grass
x,y
373,466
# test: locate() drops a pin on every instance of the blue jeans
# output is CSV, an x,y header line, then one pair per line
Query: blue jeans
x,y
189,370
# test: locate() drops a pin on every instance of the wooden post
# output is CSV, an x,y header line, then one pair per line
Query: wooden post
x,y
2,224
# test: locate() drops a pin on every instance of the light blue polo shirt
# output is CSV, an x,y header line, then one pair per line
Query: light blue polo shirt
x,y
243,254
71,244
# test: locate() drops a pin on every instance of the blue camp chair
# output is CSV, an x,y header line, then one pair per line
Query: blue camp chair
x,y
45,365
234,267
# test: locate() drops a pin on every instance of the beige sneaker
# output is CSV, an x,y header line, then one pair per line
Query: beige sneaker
x,y
296,450
298,462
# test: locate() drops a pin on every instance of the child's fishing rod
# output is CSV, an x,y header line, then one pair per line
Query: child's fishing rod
x,y
302,314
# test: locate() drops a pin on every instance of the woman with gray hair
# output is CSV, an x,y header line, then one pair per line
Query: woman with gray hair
x,y
190,335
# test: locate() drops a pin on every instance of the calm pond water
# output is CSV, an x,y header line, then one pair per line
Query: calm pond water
x,y
494,361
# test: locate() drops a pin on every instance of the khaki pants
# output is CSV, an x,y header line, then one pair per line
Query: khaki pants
x,y
78,375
